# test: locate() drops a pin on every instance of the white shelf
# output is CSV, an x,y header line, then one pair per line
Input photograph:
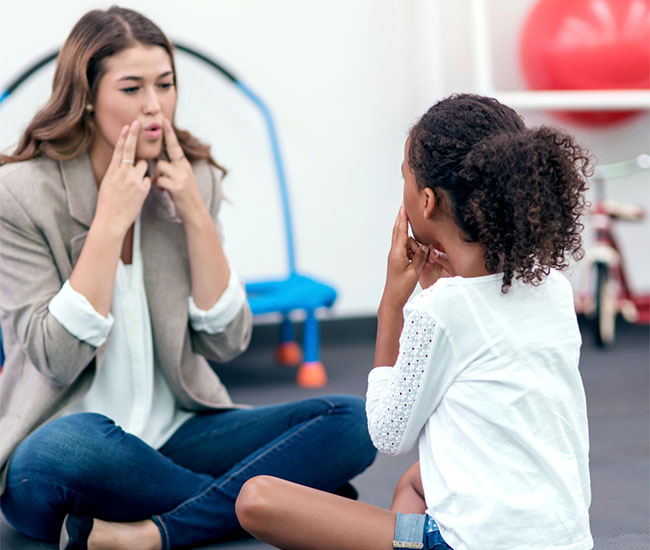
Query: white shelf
x,y
575,100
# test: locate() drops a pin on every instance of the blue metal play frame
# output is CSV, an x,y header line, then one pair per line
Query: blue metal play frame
x,y
295,292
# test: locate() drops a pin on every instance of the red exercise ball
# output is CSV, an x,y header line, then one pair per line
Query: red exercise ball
x,y
587,45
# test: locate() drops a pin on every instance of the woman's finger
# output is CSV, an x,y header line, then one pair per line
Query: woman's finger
x,y
141,168
164,168
119,146
173,148
163,182
128,155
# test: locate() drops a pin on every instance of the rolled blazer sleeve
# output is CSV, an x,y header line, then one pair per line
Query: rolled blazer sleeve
x,y
236,334
220,314
73,310
29,279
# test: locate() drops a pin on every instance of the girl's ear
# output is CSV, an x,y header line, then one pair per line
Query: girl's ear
x,y
430,202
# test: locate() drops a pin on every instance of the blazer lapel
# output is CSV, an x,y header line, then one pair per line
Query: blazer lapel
x,y
81,191
80,187
166,274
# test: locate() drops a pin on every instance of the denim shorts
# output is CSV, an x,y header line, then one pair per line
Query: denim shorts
x,y
418,531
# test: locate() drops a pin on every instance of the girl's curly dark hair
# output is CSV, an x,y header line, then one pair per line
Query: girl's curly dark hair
x,y
517,191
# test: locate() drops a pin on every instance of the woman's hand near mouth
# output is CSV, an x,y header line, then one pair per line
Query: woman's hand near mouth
x,y
208,265
177,178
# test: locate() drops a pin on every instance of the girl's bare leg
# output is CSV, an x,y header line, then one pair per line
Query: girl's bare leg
x,y
409,494
294,517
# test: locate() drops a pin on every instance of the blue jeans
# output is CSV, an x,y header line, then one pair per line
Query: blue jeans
x,y
84,463
418,531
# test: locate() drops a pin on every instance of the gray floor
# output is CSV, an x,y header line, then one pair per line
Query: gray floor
x,y
617,386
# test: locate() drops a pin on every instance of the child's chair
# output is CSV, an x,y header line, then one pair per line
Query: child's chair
x,y
296,292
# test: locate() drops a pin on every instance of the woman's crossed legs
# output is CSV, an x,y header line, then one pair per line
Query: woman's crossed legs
x,y
187,489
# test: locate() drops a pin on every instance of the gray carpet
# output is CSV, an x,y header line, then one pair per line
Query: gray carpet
x,y
617,386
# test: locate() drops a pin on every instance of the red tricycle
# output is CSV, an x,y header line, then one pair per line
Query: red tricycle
x,y
609,292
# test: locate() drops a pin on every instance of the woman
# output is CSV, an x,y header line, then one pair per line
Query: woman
x,y
115,289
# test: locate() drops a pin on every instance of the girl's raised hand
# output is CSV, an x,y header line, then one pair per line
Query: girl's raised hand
x,y
405,264
177,177
436,264
124,187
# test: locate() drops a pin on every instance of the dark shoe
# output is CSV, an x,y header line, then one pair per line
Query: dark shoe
x,y
75,532
348,491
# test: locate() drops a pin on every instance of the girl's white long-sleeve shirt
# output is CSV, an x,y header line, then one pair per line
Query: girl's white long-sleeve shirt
x,y
488,386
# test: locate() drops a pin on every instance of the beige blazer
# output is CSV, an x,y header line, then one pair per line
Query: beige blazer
x,y
46,208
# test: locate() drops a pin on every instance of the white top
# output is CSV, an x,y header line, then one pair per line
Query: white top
x,y
488,385
128,380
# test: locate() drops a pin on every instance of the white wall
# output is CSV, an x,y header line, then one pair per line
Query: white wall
x,y
345,80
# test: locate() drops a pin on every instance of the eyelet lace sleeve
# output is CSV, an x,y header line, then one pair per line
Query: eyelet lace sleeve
x,y
396,407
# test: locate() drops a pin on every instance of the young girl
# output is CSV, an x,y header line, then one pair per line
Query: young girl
x,y
115,432
481,368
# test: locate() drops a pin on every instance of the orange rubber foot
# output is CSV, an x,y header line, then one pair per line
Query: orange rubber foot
x,y
312,375
288,354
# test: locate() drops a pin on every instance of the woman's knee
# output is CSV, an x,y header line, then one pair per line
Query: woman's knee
x,y
63,445
352,409
43,468
75,426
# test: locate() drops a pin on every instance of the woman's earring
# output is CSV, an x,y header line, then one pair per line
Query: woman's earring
x,y
90,108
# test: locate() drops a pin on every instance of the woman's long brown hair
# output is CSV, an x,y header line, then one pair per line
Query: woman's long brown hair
x,y
64,128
